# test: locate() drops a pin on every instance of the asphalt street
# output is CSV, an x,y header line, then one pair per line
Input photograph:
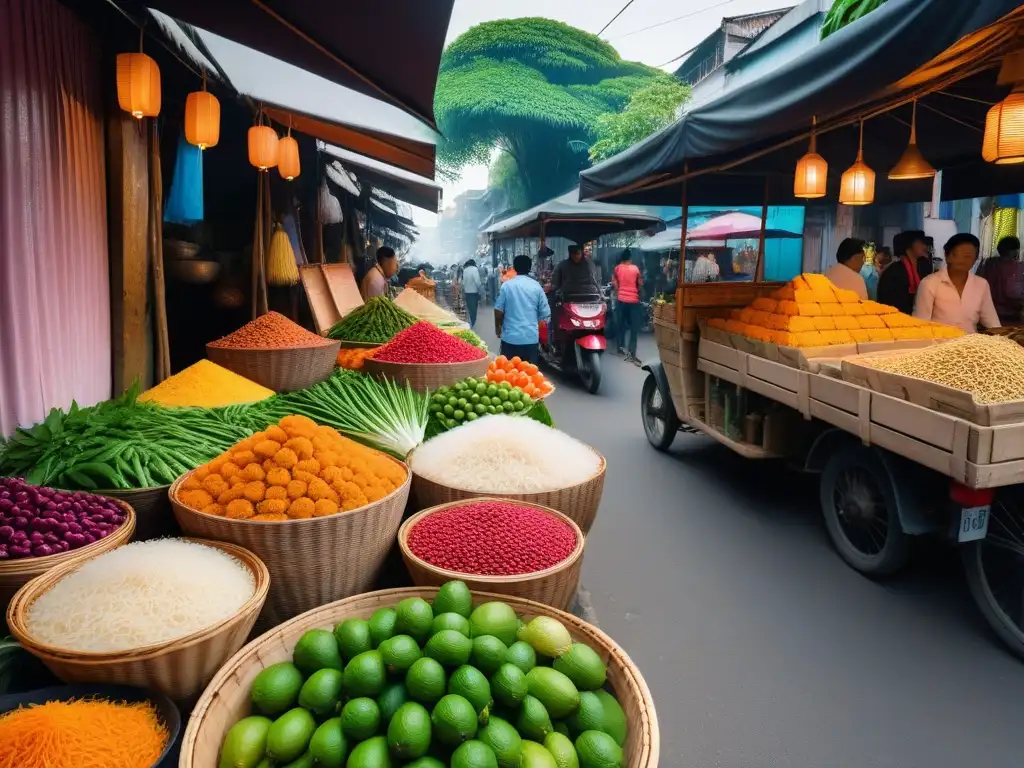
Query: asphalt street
x,y
761,647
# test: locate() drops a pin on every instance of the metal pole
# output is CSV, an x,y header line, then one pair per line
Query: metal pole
x,y
542,239
759,270
682,258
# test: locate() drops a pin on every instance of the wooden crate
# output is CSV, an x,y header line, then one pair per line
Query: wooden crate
x,y
332,293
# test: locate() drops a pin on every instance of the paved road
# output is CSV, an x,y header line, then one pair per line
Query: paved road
x,y
762,649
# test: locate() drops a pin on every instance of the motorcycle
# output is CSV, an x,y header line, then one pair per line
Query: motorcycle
x,y
576,341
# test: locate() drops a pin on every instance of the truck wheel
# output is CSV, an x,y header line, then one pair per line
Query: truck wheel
x,y
994,568
590,371
658,415
861,514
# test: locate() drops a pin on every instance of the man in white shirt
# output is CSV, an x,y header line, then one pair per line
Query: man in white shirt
x,y
845,273
955,295
471,285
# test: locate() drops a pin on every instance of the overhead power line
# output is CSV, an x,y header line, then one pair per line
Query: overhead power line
x,y
621,11
677,18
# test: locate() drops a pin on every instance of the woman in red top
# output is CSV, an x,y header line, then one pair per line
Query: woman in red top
x,y
626,281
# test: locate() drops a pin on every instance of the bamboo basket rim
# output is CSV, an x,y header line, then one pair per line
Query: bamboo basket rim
x,y
359,344
325,343
518,578
173,487
31,591
650,746
390,363
121,535
107,491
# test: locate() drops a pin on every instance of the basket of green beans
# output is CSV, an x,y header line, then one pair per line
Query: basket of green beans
x,y
372,324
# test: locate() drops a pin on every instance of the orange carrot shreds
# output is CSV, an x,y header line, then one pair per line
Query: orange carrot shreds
x,y
82,733
271,331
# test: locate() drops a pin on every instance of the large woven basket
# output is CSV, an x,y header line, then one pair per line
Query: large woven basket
x,y
424,376
153,515
282,370
554,586
313,561
359,344
16,573
226,699
577,502
179,668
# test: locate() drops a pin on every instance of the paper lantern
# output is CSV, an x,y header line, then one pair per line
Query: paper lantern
x,y
288,158
858,183
1004,130
202,119
811,171
912,164
263,143
138,85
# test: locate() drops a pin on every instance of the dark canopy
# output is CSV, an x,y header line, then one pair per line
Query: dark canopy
x,y
945,51
402,185
388,49
565,216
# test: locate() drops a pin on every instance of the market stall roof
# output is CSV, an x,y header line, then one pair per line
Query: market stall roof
x,y
669,241
387,49
734,148
736,226
402,185
565,216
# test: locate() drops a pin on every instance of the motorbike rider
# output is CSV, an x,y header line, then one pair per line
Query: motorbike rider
x,y
575,276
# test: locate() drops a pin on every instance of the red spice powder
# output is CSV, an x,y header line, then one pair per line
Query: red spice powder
x,y
426,343
271,331
492,538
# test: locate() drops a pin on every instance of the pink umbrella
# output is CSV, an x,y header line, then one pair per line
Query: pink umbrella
x,y
734,226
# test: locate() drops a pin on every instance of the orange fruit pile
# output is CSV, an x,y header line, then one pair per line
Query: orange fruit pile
x,y
520,374
353,359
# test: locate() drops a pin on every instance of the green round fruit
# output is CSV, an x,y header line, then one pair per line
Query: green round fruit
x,y
360,719
554,690
562,728
390,699
583,666
473,754
504,741
497,619
426,762
459,415
365,675
276,689
450,620
353,636
415,617
454,597
321,692
382,625
425,681
454,719
328,747
509,685
614,717
589,716
470,683
316,649
533,720
535,756
522,655
488,654
597,749
449,647
303,761
448,410
471,416
246,743
289,736
409,733
372,753
399,653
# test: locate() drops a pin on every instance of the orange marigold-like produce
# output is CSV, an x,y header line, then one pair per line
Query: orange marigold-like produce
x,y
812,312
293,470
353,359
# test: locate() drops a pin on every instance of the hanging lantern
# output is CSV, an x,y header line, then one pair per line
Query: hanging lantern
x,y
858,183
263,143
1004,125
138,85
912,164
811,171
202,118
288,157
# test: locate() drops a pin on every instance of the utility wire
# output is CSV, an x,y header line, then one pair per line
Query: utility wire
x,y
621,11
677,18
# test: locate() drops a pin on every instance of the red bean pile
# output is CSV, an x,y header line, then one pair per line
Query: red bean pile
x,y
492,538
426,343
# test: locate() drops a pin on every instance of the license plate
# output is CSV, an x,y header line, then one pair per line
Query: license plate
x,y
973,523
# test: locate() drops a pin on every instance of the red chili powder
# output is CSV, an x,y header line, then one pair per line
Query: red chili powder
x,y
425,343
271,331
492,538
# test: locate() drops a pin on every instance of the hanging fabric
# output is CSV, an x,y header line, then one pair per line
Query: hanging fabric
x,y
330,208
185,203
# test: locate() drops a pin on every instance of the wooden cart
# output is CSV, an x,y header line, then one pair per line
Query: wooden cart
x,y
890,468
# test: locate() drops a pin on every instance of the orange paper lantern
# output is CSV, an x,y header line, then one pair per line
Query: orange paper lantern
x,y
811,172
288,158
202,119
858,183
263,146
1004,130
138,85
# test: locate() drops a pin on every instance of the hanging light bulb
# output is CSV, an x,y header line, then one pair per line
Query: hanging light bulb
x,y
811,171
202,118
1004,125
288,157
912,164
138,83
858,183
263,145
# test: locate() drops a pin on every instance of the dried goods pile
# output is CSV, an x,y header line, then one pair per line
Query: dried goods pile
x,y
811,312
492,538
206,385
290,471
423,308
991,368
271,331
37,521
376,322
425,343
432,685
140,594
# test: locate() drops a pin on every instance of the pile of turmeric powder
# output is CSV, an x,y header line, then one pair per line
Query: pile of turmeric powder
x,y
206,385
292,470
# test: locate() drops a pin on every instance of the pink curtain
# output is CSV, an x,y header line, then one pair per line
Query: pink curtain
x,y
54,275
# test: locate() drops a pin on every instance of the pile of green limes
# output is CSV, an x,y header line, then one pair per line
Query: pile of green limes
x,y
471,399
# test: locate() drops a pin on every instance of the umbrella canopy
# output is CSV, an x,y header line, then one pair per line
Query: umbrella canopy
x,y
565,216
387,49
743,146
735,226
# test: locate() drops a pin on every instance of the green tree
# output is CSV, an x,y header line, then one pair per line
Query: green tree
x,y
534,89
844,12
649,110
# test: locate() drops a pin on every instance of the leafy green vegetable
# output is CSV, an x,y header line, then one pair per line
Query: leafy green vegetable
x,y
376,322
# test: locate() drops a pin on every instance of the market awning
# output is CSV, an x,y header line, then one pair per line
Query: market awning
x,y
402,185
565,216
944,51
386,49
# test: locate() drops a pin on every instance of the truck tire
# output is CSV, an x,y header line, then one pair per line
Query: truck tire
x,y
658,415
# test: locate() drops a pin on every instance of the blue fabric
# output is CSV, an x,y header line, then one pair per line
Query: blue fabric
x,y
524,305
528,352
185,202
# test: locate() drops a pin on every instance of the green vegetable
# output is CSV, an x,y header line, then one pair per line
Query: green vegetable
x,y
470,338
376,322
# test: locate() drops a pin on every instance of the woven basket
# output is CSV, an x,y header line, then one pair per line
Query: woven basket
x,y
424,376
179,668
16,573
313,561
153,515
554,586
359,344
577,502
226,699
282,370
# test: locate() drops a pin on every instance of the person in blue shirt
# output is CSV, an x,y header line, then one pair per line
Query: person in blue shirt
x,y
521,306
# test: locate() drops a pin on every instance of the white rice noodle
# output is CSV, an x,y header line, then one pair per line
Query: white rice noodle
x,y
141,594
505,454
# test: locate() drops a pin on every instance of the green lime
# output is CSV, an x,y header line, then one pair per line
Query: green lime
x,y
328,745
426,762
276,689
597,749
533,720
245,744
459,415
471,417
522,655
480,408
449,410
353,636
504,741
583,666
449,647
390,699
474,399
454,719
535,756
360,719
473,754
503,393
589,716
409,733
453,401
316,649
517,406
289,736
614,717
450,424
399,653
508,406
492,410
515,395
415,614
372,753
561,727
470,683
481,388
450,620
554,690
303,761
425,681
496,619
509,685
454,597
365,675
321,693
488,654
382,625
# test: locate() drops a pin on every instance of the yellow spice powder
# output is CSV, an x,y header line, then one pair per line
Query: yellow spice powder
x,y
206,385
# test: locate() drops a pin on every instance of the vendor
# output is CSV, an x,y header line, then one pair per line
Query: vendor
x,y
1005,276
954,295
845,273
375,282
897,286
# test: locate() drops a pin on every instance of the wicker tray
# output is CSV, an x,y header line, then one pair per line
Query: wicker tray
x,y
153,515
577,502
554,586
359,344
282,370
179,668
314,561
16,573
226,699
427,376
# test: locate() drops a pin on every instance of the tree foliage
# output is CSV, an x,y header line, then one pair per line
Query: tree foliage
x,y
535,89
648,110
845,12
